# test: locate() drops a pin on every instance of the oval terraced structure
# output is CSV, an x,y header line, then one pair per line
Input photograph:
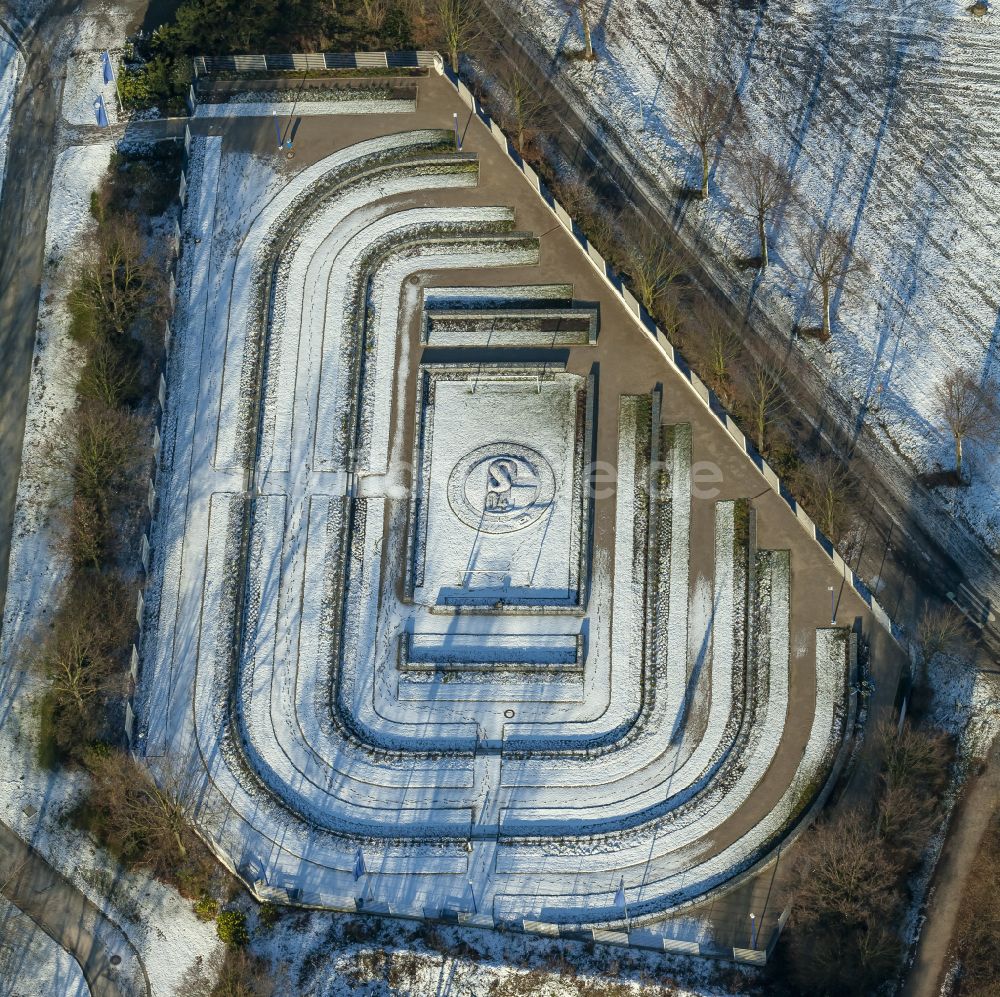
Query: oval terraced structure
x,y
461,600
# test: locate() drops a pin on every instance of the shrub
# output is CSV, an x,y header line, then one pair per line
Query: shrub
x,y
231,926
206,907
162,82
232,972
268,914
48,751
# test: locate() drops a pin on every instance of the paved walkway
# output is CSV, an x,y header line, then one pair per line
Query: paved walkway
x,y
71,920
969,824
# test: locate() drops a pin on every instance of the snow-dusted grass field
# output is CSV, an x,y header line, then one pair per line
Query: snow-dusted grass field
x,y
885,117
322,956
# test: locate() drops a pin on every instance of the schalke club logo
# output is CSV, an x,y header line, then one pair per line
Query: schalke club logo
x,y
501,487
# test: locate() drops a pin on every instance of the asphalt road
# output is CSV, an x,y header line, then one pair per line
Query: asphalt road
x,y
110,963
23,211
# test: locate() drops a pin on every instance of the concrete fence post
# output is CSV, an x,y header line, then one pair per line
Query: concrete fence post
x,y
129,722
564,217
134,664
144,553
151,498
140,605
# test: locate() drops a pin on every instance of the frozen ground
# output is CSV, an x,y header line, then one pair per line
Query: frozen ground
x,y
626,761
886,118
10,71
31,964
157,920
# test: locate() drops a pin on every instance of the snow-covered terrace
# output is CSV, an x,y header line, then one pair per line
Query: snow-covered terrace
x,y
463,605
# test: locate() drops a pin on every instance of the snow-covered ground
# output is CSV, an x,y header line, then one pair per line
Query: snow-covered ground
x,y
10,72
886,118
31,963
158,921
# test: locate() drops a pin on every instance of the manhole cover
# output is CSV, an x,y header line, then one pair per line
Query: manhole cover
x,y
289,155
509,714
116,960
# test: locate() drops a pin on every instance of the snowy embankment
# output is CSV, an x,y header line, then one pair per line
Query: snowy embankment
x,y
157,920
11,65
885,119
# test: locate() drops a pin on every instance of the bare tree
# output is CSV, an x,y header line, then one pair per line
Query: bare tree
x,y
702,106
79,672
459,24
765,400
232,972
582,7
654,266
114,282
375,13
761,185
831,263
940,630
148,819
968,409
914,774
526,107
87,536
715,342
109,376
844,891
839,872
601,226
81,659
823,486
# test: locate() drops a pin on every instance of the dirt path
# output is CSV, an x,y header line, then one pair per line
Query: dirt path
x,y
71,920
972,817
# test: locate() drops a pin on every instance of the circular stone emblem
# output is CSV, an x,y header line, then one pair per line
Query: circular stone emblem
x,y
501,487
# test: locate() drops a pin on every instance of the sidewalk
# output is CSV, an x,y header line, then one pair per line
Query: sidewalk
x,y
71,920
972,817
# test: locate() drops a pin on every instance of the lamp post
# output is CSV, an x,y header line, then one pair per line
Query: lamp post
x,y
458,139
753,931
833,605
